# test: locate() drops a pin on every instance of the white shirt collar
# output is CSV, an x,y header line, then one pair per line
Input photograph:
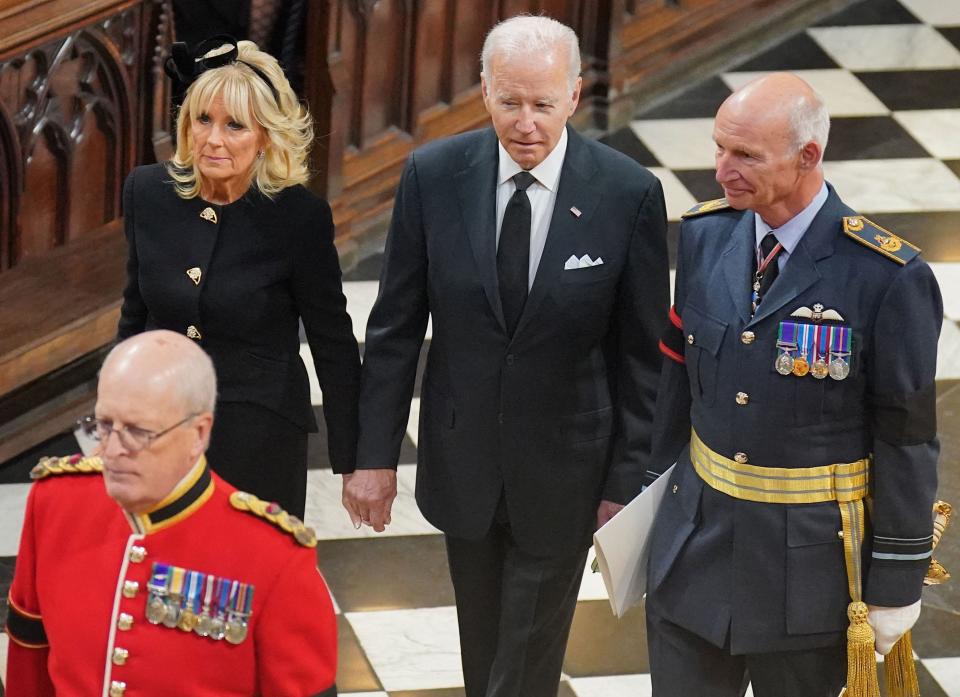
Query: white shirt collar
x,y
547,172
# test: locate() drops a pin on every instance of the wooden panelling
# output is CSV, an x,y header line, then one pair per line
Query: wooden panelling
x,y
466,31
651,38
82,101
9,174
28,23
74,105
75,319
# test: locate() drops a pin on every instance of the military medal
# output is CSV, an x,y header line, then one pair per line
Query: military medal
x,y
157,589
840,353
204,620
233,632
787,343
172,615
839,368
236,630
801,365
218,621
784,363
819,368
189,616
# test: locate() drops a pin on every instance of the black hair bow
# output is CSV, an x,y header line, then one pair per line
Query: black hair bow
x,y
184,66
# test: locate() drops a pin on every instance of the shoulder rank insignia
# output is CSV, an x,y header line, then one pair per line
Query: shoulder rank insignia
x,y
868,233
272,512
71,464
717,204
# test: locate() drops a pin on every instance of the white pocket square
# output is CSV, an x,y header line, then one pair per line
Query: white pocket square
x,y
583,262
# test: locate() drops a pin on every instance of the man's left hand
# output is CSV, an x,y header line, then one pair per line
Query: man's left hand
x,y
368,496
606,511
891,623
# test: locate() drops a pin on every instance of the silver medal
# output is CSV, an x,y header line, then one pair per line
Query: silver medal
x,y
156,610
839,369
171,614
217,628
236,630
203,624
784,363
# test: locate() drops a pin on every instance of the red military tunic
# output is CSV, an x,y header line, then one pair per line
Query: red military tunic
x,y
77,603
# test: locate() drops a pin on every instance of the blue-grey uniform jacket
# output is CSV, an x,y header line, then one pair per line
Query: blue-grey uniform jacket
x,y
771,577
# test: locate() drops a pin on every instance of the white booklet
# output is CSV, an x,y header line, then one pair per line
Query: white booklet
x,y
622,547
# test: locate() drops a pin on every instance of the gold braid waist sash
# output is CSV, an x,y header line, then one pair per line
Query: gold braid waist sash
x,y
842,482
847,484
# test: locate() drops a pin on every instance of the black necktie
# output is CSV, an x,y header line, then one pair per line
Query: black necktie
x,y
513,252
769,274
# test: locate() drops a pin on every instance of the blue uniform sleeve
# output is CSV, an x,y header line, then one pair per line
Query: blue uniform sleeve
x,y
671,419
901,373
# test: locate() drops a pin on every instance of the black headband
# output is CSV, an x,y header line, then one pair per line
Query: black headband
x,y
185,66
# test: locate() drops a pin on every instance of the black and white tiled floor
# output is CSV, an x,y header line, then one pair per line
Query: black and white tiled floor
x,y
890,73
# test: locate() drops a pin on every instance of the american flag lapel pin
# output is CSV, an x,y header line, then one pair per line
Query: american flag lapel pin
x,y
576,211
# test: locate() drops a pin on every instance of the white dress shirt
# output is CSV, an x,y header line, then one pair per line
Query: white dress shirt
x,y
542,194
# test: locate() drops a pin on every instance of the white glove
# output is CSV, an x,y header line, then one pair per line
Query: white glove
x,y
891,623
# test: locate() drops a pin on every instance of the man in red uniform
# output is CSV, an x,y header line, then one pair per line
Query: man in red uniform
x,y
142,573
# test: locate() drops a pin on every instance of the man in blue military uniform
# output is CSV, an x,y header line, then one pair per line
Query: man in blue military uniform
x,y
798,400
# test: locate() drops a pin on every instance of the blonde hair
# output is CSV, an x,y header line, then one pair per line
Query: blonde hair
x,y
247,98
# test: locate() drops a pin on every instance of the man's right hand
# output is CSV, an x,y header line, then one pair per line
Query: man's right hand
x,y
368,497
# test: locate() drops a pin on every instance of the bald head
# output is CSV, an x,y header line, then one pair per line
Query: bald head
x,y
155,397
785,102
162,361
770,136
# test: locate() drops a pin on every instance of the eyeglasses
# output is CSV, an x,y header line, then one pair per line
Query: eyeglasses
x,y
132,438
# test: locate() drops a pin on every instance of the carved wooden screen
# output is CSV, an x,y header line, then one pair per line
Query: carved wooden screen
x,y
75,116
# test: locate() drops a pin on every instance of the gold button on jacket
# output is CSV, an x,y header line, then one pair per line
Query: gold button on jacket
x,y
130,589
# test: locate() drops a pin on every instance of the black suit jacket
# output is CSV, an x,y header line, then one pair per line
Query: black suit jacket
x,y
556,417
264,264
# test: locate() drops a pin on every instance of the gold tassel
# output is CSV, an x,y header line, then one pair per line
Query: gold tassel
x,y
861,662
900,669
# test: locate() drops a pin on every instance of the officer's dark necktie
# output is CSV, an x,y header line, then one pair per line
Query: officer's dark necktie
x,y
513,251
766,268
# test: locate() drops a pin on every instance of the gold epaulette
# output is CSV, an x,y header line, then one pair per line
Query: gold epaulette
x,y
717,204
884,242
272,512
70,464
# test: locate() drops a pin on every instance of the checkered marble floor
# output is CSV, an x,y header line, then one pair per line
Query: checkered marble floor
x,y
889,71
